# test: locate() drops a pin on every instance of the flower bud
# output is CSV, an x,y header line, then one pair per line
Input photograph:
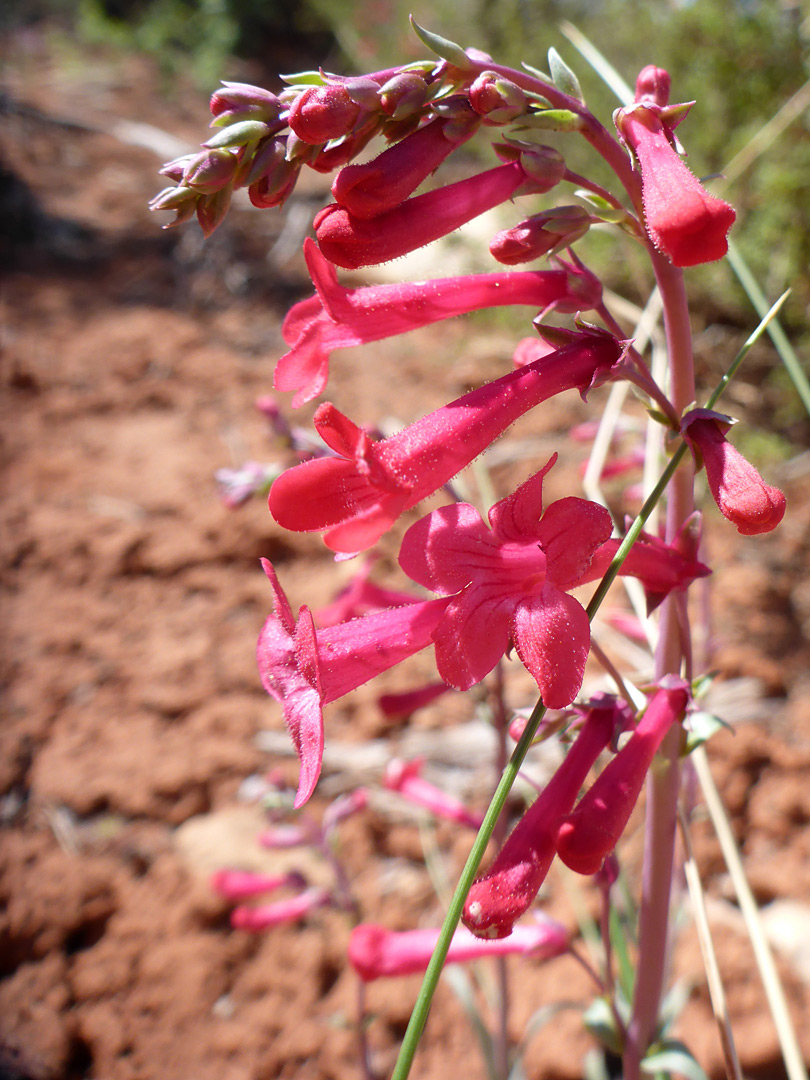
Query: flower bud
x,y
272,177
210,171
242,98
236,135
541,234
653,85
403,96
497,99
211,209
183,200
175,168
322,113
741,494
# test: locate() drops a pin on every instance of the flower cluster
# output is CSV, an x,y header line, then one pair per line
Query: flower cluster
x,y
502,583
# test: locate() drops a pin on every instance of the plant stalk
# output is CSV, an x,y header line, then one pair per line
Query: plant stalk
x,y
664,779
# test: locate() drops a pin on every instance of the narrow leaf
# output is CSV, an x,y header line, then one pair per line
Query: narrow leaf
x,y
673,1056
448,50
563,77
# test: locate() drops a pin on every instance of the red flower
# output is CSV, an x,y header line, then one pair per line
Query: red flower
x,y
739,491
683,220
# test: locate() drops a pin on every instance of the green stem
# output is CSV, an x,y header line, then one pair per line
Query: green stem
x,y
451,921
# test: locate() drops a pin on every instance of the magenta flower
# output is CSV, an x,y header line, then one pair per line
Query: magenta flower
x,y
304,669
499,898
739,491
405,777
338,318
683,220
242,884
378,953
357,496
265,916
405,703
660,567
353,242
377,186
509,585
588,835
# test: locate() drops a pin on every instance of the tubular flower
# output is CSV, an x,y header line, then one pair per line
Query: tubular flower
x,y
304,669
499,898
588,835
683,220
508,585
660,567
379,185
358,495
739,491
243,884
265,916
406,778
378,953
352,242
338,318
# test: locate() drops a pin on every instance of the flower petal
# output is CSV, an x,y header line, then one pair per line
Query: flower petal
x,y
473,635
571,530
443,549
552,637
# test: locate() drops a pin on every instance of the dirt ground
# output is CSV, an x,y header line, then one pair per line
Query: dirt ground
x,y
132,598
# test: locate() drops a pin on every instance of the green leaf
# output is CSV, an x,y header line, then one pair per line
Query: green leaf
x,y
599,63
304,78
246,131
538,74
551,120
703,726
563,77
599,1020
672,1056
448,50
702,684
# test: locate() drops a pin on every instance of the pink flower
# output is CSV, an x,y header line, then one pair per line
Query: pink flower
x,y
405,777
358,495
305,670
241,884
499,898
660,567
588,835
508,585
256,919
404,704
338,318
377,953
683,220
353,242
368,190
739,491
